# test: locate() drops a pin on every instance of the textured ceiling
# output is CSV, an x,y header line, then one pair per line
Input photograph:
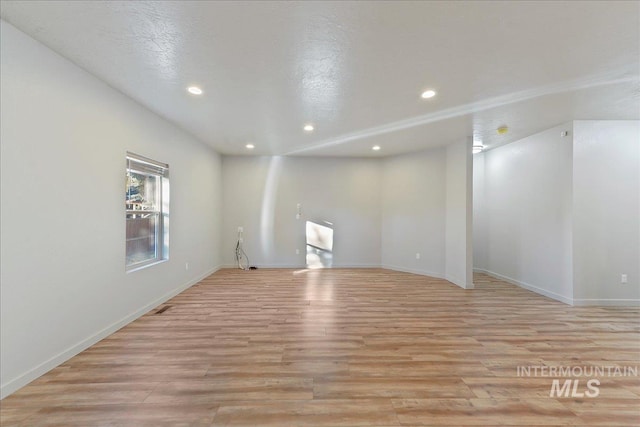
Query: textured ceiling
x,y
353,69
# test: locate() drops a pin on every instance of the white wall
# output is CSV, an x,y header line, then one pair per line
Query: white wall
x,y
527,201
458,230
413,212
64,137
261,194
561,215
606,211
384,211
480,227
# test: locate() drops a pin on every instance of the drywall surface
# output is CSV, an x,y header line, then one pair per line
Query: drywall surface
x,y
395,212
527,208
64,138
261,195
459,211
479,214
413,212
606,212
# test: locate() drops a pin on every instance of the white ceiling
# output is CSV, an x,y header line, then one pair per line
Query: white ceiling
x,y
353,69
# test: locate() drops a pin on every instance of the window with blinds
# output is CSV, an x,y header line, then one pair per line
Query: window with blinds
x,y
147,212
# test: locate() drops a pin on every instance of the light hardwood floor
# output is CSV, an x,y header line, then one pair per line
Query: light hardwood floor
x,y
342,347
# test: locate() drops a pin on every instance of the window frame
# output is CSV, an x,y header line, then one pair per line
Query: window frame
x,y
141,165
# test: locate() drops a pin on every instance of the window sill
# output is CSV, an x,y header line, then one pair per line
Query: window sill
x,y
139,267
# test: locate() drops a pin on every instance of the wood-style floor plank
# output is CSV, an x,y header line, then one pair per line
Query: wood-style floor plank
x,y
342,347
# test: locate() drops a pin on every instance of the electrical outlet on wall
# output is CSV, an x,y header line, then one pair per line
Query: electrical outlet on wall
x,y
297,251
417,255
186,265
240,229
624,279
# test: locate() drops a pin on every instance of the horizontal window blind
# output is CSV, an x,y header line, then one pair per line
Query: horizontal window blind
x,y
141,164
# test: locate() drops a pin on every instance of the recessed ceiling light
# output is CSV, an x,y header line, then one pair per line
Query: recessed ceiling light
x,y
477,148
194,90
308,128
428,94
376,148
250,146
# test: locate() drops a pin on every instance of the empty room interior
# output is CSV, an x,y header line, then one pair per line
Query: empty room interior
x,y
318,213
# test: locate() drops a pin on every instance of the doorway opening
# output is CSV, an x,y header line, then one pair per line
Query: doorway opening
x,y
319,244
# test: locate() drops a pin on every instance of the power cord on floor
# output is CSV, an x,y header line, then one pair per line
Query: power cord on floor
x,y
241,257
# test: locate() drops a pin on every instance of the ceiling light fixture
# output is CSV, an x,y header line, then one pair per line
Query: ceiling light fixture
x,y
250,146
376,148
428,94
502,130
308,128
194,90
477,148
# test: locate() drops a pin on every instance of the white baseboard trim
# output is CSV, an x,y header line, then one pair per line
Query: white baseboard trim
x,y
357,266
259,266
227,266
606,302
304,267
15,384
412,271
527,286
383,266
453,280
456,281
